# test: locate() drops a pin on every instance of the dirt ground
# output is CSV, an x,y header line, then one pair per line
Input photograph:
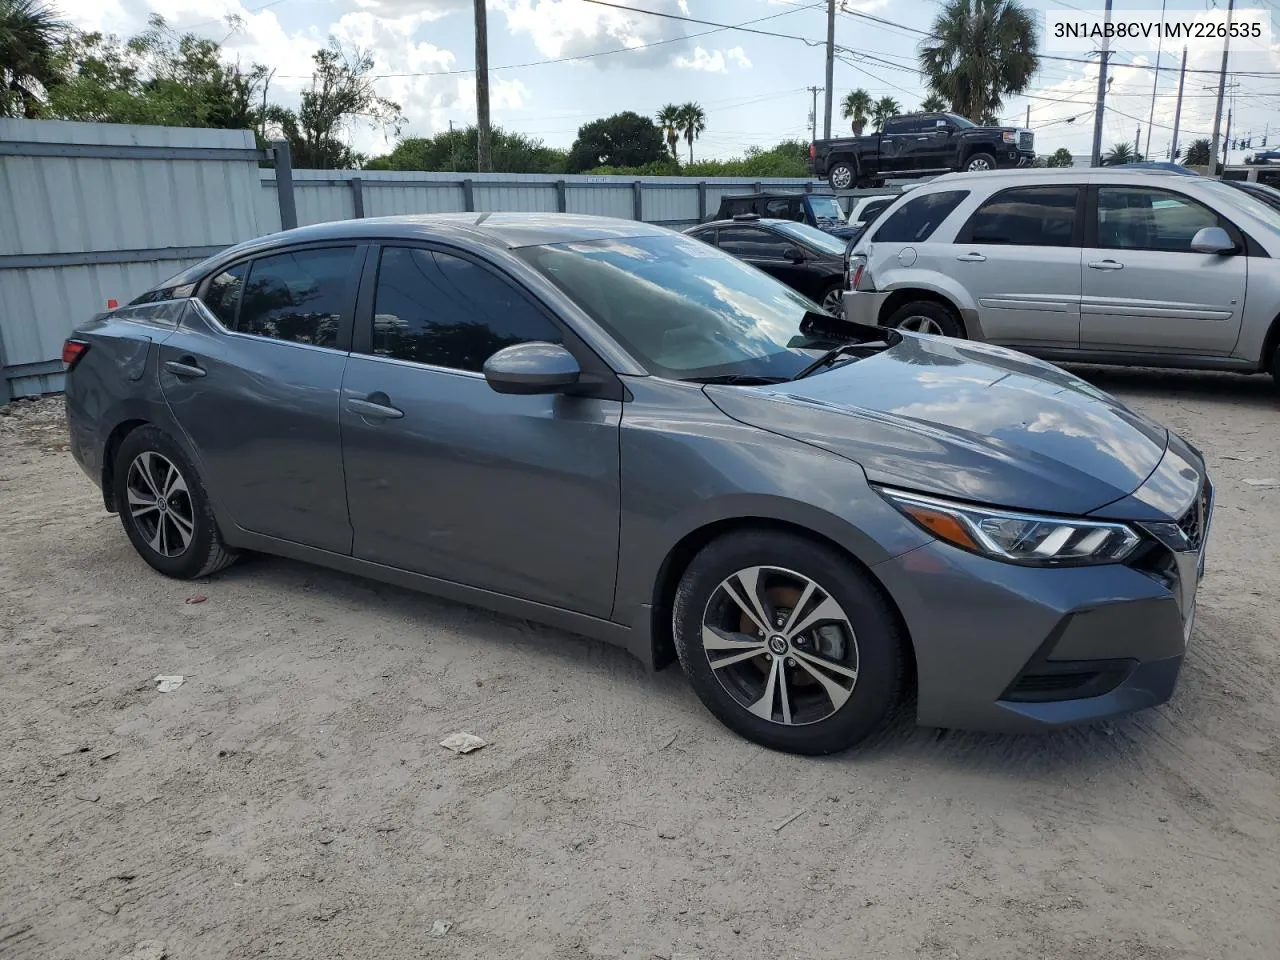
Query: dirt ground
x,y
290,799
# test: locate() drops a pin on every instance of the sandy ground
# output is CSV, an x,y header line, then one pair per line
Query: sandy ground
x,y
290,799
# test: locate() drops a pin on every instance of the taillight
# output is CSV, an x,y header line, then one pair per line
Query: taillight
x,y
813,152
856,278
73,352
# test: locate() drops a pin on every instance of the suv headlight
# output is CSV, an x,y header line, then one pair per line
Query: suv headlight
x,y
1014,537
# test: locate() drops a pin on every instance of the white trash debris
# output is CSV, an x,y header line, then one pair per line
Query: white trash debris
x,y
463,742
169,684
1268,482
440,928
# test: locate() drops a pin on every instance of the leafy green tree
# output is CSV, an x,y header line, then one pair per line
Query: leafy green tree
x,y
623,140
1197,154
1060,158
693,120
979,52
341,90
1120,154
669,124
856,107
886,108
30,35
456,150
933,104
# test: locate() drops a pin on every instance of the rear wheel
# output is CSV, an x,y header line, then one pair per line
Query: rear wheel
x,y
1275,366
164,508
841,175
926,316
833,300
788,643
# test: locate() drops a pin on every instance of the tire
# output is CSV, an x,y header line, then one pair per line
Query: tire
x,y
842,175
834,292
179,537
927,316
980,162
1275,366
863,659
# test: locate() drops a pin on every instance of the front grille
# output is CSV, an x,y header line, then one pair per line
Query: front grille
x,y
1026,140
1193,522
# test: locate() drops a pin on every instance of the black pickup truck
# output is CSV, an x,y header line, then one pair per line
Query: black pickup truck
x,y
920,145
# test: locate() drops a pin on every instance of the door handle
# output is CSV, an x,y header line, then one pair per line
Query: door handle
x,y
972,258
186,367
377,407
1106,265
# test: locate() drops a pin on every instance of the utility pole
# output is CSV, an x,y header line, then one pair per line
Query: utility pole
x,y
1155,84
1028,116
1226,142
1137,139
1222,92
1177,113
813,114
483,153
831,67
1102,96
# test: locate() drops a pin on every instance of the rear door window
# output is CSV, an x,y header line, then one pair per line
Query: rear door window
x,y
752,243
297,296
1041,216
917,219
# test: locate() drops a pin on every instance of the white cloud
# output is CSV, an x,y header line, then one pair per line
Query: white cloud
x,y
570,28
702,60
738,56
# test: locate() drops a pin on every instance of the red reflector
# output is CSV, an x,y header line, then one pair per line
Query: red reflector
x,y
73,351
813,151
112,304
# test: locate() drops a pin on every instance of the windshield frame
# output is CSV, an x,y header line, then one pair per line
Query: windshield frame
x,y
824,243
1241,201
962,123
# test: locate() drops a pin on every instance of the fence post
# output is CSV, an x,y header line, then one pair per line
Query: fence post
x,y
759,187
6,394
702,200
284,185
468,197
562,199
808,186
637,200
357,195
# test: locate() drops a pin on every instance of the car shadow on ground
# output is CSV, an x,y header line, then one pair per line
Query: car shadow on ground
x,y
1255,389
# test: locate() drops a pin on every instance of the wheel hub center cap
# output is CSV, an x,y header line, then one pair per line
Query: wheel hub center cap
x,y
778,644
162,505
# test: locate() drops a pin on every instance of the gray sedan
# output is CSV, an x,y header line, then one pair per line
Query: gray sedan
x,y
612,428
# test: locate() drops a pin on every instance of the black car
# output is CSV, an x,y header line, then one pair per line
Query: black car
x,y
919,145
821,210
804,258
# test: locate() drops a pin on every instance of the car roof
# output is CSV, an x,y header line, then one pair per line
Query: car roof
x,y
773,194
753,222
1053,173
504,230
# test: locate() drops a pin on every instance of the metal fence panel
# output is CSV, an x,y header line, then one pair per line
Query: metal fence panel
x,y
601,199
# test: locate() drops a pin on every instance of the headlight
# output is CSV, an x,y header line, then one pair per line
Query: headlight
x,y
1016,537
1010,136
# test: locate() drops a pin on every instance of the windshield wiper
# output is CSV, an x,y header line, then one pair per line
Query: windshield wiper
x,y
737,379
831,356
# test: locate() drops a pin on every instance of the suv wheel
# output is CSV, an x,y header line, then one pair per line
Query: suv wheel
x,y
841,176
788,643
980,162
926,316
164,509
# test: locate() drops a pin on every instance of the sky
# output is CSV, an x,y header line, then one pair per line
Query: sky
x,y
752,87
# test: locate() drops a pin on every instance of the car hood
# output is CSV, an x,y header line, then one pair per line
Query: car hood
x,y
964,420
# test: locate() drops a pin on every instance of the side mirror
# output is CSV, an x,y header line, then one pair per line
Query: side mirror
x,y
793,254
530,368
1212,240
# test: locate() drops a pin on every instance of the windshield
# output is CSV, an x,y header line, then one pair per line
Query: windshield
x,y
1237,199
813,237
962,122
682,308
826,208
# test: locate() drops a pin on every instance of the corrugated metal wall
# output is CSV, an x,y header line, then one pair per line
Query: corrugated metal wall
x,y
91,212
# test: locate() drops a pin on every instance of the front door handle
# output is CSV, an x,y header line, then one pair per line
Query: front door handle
x,y
1106,265
376,407
186,367
972,258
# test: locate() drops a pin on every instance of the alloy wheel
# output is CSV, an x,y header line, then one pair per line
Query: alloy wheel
x,y
979,163
780,645
921,324
833,302
841,177
160,504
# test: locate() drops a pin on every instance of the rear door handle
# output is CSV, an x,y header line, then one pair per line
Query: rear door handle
x,y
186,367
972,258
1106,265
377,407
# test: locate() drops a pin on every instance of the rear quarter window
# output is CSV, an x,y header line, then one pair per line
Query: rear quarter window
x,y
917,219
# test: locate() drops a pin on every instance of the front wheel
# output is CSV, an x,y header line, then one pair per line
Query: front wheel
x,y
841,175
980,162
788,643
164,508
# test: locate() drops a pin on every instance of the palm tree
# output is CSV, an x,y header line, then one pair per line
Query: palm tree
x,y
691,122
978,52
885,108
30,34
933,104
1197,154
1120,154
856,106
669,124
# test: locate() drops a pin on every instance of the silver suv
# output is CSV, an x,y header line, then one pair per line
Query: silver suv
x,y
1098,265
